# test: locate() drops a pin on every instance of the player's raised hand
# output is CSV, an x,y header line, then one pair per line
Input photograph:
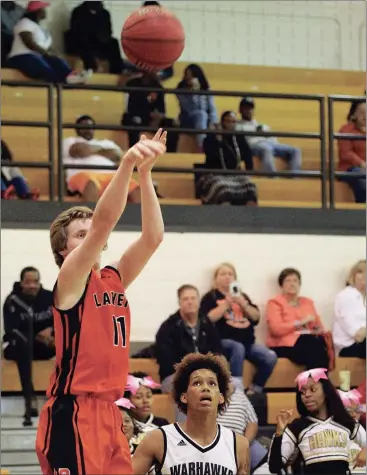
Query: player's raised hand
x,y
146,152
158,143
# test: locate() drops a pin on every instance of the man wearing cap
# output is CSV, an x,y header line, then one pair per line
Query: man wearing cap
x,y
266,148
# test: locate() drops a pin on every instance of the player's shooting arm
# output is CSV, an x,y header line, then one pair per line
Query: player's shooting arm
x,y
78,264
243,455
149,451
138,254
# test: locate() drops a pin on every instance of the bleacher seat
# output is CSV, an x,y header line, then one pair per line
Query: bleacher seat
x,y
282,115
280,385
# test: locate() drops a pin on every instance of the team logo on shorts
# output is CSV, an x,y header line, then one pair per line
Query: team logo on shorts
x,y
63,471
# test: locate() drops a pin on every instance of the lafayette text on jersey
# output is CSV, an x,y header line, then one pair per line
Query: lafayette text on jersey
x,y
324,445
92,341
183,456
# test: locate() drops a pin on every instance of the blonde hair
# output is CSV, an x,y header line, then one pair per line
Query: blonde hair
x,y
218,268
359,266
59,229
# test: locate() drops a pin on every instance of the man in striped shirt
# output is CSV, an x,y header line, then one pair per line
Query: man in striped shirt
x,y
240,416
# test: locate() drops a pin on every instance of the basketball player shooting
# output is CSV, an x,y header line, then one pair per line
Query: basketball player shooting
x,y
80,426
199,445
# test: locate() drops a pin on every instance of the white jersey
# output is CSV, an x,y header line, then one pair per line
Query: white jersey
x,y
183,456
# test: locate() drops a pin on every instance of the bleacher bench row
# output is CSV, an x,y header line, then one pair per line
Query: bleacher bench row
x,y
282,381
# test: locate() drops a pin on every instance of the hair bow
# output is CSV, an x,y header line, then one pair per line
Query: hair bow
x,y
350,398
133,383
125,403
316,374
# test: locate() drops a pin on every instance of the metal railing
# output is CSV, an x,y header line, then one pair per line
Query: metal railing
x,y
325,174
332,136
49,124
320,99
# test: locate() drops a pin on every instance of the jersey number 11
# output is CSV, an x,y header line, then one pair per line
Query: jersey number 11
x,y
119,331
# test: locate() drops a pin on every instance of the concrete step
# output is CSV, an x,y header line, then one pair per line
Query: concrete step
x,y
14,405
23,469
18,458
16,422
21,440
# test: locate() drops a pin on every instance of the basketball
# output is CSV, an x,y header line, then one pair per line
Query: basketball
x,y
153,38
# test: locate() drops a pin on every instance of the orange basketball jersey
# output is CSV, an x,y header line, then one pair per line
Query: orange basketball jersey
x,y
92,341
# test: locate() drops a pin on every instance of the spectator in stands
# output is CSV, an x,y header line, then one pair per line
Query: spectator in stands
x,y
28,325
226,152
90,38
196,110
148,109
142,401
84,149
294,326
349,325
266,148
133,433
13,183
31,50
240,417
184,332
235,317
352,153
11,13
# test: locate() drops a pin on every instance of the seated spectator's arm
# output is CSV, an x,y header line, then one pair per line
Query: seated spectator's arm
x,y
281,449
214,339
81,150
251,420
187,104
347,153
276,325
212,149
112,154
164,349
251,431
11,319
209,307
28,39
346,312
212,110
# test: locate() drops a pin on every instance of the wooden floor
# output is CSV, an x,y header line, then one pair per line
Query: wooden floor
x,y
31,144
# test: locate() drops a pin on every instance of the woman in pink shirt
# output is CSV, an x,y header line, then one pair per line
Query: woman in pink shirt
x,y
294,327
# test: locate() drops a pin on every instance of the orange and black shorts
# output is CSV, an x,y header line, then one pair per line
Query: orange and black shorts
x,y
79,181
82,435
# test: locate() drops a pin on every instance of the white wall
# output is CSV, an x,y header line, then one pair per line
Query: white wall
x,y
190,258
293,33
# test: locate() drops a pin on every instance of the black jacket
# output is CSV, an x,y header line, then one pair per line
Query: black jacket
x,y
19,310
221,154
173,342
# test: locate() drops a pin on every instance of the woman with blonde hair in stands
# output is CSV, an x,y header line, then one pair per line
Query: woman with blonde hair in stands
x,y
236,316
349,326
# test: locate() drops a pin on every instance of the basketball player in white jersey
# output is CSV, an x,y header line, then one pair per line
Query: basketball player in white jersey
x,y
198,446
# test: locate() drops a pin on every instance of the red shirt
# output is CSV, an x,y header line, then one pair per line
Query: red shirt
x,y
352,153
92,341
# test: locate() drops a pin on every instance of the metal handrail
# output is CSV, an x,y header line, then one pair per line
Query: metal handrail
x,y
322,174
48,124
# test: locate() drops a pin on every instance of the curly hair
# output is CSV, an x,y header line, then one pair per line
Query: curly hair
x,y
194,361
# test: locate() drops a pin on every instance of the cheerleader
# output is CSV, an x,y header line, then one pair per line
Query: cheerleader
x,y
352,403
323,432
